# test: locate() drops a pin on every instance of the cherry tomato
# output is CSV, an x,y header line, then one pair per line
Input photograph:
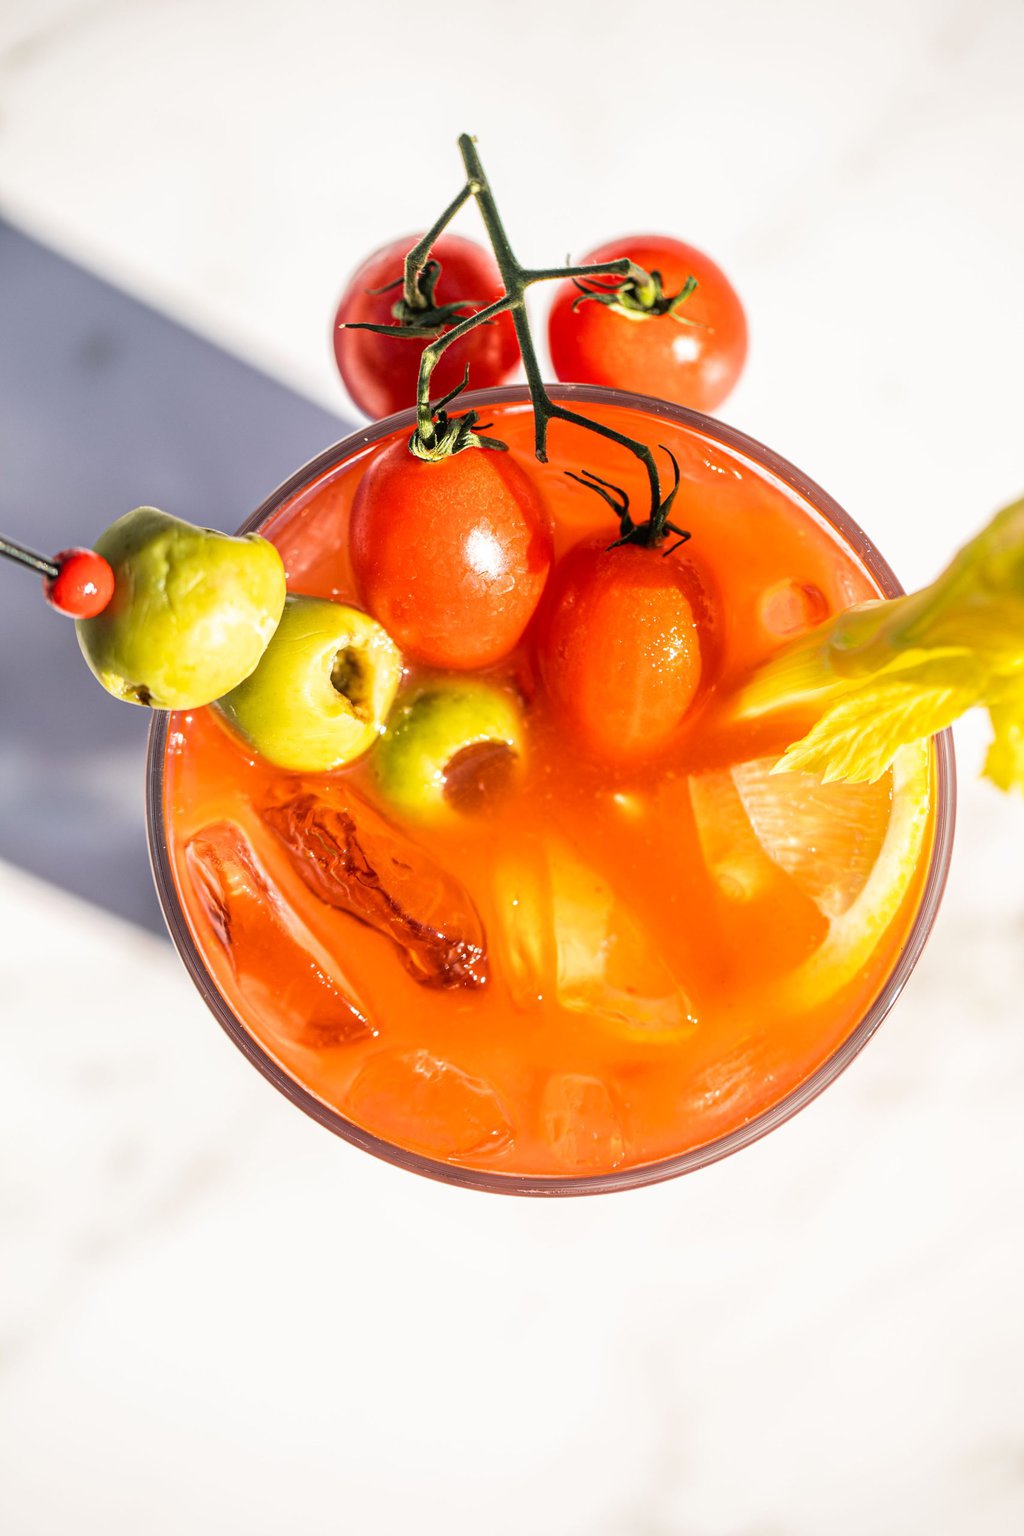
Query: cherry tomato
x,y
452,556
692,356
83,585
380,372
623,644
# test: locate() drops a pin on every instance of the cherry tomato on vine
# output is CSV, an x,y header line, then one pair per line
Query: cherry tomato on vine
x,y
380,372
624,640
450,556
691,352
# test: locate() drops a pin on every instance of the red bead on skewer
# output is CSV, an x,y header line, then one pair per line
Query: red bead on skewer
x,y
78,582
83,585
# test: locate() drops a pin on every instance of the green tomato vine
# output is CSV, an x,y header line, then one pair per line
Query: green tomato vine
x,y
438,433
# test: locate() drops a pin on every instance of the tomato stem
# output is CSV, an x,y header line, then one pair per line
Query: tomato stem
x,y
417,257
425,426
620,267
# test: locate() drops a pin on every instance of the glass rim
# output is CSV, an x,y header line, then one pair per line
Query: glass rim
x,y
701,1156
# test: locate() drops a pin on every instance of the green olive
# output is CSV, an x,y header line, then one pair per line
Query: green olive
x,y
436,729
192,610
321,694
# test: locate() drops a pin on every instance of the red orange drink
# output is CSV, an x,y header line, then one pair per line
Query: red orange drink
x,y
598,971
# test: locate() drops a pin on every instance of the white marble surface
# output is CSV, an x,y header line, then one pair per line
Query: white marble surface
x,y
213,1316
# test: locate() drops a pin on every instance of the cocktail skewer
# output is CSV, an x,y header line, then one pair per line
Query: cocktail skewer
x,y
28,557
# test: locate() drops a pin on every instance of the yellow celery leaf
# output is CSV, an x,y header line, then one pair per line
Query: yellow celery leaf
x,y
859,733
1004,764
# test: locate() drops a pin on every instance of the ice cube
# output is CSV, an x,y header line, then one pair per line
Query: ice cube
x,y
293,988
581,1122
354,860
609,964
567,935
733,856
419,1101
522,894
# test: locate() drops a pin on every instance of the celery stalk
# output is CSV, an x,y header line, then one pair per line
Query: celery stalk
x,y
883,674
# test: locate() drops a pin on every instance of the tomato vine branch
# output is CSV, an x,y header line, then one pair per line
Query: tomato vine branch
x,y
517,279
417,257
437,433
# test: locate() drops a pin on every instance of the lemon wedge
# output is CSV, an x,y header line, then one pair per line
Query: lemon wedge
x,y
851,848
827,837
854,933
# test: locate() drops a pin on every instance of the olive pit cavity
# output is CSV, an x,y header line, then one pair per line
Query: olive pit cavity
x,y
350,676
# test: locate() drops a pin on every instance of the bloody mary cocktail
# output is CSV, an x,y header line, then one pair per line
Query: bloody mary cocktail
x,y
595,974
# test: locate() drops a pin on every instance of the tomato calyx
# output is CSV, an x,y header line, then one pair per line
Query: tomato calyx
x,y
655,529
418,317
451,434
637,300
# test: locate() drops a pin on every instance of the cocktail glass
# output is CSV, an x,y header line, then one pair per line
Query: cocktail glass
x,y
758,462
